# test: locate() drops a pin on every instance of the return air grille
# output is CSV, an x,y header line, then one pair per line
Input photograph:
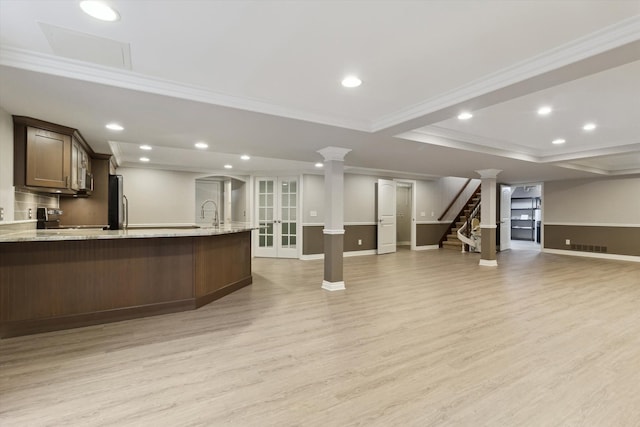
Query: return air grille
x,y
588,248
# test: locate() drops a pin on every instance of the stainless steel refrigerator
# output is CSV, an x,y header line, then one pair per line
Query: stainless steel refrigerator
x,y
117,208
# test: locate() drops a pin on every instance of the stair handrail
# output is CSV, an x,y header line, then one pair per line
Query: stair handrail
x,y
465,232
454,199
453,223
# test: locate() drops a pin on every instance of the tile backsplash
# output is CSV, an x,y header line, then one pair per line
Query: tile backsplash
x,y
25,200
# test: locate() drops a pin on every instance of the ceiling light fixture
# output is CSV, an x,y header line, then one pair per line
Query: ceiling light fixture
x,y
558,141
99,10
465,115
114,126
589,126
228,166
144,159
543,111
146,147
245,157
351,81
319,165
201,145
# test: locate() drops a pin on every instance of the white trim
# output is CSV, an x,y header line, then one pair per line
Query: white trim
x,y
592,255
79,70
603,40
433,222
591,224
426,248
333,286
359,253
488,226
488,262
334,154
346,224
330,231
313,257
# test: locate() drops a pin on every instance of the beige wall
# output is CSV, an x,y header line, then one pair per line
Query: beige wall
x,y
6,165
592,202
159,196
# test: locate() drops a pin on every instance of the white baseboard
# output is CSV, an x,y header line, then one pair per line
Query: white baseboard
x,y
333,286
426,248
593,255
344,254
488,263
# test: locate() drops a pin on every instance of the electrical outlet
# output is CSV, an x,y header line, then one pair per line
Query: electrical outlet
x,y
433,213
359,242
1,214
567,242
423,214
30,213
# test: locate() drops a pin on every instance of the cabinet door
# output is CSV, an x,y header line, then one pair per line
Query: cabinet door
x,y
75,165
48,158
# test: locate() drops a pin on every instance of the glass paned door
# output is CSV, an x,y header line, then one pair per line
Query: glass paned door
x,y
277,204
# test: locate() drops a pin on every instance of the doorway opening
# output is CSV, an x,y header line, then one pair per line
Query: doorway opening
x,y
405,218
521,217
220,200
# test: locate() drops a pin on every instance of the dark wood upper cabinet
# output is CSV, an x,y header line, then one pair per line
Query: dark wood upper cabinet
x,y
49,157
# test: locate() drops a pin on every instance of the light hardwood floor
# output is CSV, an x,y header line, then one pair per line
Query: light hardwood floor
x,y
417,339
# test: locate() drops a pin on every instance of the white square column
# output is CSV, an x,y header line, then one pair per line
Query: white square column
x,y
488,216
334,217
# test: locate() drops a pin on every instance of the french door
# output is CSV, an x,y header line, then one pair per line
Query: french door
x,y
277,213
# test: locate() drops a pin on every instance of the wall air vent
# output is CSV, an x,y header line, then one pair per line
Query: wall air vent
x,y
588,248
87,47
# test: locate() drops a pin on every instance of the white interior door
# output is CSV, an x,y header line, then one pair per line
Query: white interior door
x,y
505,217
386,210
277,213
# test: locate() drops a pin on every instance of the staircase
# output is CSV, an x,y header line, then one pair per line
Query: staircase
x,y
450,239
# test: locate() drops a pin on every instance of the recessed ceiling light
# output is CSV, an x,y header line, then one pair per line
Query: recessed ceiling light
x,y
558,141
201,145
465,116
589,126
114,126
245,157
319,165
146,147
99,10
351,81
228,166
543,111
144,159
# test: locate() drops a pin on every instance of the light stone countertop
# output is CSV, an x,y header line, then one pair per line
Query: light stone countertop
x,y
132,233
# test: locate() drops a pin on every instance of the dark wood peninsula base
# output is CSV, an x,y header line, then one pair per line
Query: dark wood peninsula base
x,y
53,285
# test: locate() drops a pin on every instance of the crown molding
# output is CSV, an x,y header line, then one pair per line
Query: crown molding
x,y
608,38
79,70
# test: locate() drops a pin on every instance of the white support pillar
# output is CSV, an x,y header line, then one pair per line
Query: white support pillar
x,y
488,216
333,217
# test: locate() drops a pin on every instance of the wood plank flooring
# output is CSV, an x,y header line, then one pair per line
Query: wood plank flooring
x,y
417,339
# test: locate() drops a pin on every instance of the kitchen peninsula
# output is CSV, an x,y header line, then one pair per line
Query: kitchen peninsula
x,y
60,278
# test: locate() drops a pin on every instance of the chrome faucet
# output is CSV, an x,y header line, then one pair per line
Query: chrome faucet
x,y
216,222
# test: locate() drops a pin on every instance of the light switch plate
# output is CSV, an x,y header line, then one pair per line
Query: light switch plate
x,y
423,214
567,242
313,213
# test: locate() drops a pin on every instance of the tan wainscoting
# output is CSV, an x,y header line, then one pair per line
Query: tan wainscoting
x,y
430,234
313,238
593,239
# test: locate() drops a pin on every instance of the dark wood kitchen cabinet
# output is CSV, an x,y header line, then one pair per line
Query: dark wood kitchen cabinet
x,y
43,156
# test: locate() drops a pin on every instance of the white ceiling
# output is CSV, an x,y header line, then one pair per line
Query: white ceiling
x,y
262,78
